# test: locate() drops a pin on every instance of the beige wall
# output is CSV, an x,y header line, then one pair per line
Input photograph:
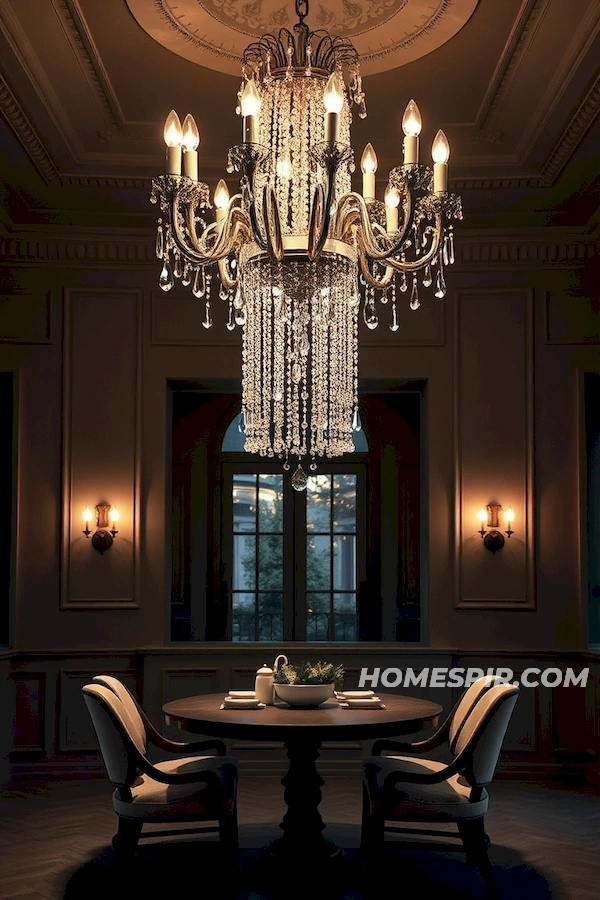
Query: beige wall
x,y
94,341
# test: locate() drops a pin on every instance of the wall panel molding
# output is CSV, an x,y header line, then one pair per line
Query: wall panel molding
x,y
495,430
26,318
104,470
572,320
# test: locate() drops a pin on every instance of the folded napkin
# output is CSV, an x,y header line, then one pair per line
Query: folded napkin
x,y
354,695
364,703
243,695
241,703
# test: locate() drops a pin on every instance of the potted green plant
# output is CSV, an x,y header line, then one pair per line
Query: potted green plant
x,y
308,684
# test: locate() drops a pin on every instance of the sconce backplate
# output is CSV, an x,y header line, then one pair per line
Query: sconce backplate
x,y
493,541
102,540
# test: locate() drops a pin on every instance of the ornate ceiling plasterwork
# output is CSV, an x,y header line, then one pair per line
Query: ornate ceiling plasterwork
x,y
386,33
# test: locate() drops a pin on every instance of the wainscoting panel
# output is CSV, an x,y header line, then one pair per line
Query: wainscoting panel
x,y
26,319
75,729
30,712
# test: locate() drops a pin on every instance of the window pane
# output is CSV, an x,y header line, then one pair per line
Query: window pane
x,y
270,616
318,562
318,608
244,562
318,503
270,562
344,503
270,503
244,617
244,502
344,563
344,606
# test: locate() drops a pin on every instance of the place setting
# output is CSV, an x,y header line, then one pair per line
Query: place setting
x,y
358,700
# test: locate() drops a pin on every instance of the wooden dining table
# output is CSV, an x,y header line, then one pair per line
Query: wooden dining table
x,y
302,732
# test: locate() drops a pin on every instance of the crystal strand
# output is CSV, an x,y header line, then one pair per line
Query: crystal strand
x,y
451,245
403,283
440,283
394,326
414,296
207,321
223,292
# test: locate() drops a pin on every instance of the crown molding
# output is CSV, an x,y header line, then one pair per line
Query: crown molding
x,y
570,139
26,134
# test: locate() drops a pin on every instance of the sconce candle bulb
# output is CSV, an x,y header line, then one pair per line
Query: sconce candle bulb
x,y
173,140
87,518
411,126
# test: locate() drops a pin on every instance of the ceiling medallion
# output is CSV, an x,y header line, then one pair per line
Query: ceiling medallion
x,y
385,33
298,254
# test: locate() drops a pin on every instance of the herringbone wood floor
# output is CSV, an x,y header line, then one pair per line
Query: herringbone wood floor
x,y
55,845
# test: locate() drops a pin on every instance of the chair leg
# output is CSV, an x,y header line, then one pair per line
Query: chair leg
x,y
474,837
126,839
372,828
228,831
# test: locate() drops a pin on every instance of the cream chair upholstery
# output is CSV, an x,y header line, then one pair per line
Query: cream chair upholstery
x,y
143,727
191,789
412,790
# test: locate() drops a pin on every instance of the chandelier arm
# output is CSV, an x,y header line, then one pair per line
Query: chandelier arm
x,y
358,211
427,257
233,233
316,217
272,221
321,222
381,283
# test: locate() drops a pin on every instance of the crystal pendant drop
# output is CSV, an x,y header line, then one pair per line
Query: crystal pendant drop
x,y
450,245
394,326
370,316
186,278
414,295
178,267
299,479
384,297
207,320
165,279
223,293
445,256
199,287
242,422
403,283
427,277
440,284
160,242
230,318
356,423
240,318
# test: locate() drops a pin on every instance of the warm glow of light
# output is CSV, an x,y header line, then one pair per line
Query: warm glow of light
x,y
114,514
368,161
509,515
191,135
333,96
441,148
250,99
392,197
86,515
284,167
411,120
221,197
482,515
173,132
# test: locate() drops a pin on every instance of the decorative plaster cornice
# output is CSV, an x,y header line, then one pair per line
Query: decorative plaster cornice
x,y
26,134
572,136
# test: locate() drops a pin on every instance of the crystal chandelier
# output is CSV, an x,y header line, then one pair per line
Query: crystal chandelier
x,y
297,252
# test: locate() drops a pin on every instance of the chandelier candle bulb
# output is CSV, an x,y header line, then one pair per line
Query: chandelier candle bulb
x,y
333,101
221,199
368,164
392,202
441,153
190,141
250,106
173,140
411,126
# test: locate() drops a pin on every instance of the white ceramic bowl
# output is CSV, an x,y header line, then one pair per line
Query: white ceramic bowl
x,y
304,694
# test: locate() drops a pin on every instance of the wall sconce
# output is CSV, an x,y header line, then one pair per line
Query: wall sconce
x,y
494,540
105,515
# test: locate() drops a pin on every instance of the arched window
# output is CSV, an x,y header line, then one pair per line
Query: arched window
x,y
254,560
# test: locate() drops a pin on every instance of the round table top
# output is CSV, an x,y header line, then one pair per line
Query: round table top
x,y
202,715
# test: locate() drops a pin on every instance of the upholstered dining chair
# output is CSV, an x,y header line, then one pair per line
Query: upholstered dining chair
x,y
412,790
142,726
191,789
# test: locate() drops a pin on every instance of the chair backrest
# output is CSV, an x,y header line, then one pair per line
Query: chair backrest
x,y
136,723
467,702
483,732
114,734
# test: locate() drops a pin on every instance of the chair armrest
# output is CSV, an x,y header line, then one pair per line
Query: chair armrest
x,y
209,778
430,743
164,743
458,764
